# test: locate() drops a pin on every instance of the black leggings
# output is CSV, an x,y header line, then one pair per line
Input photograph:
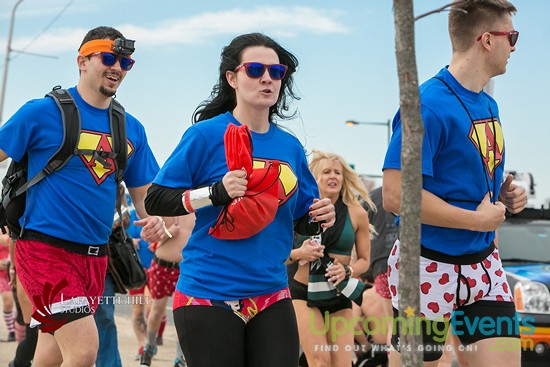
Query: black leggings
x,y
213,336
24,353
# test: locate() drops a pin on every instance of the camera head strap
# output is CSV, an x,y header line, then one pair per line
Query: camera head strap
x,y
119,46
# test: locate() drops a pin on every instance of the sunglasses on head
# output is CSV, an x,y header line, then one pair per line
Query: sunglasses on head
x,y
109,59
255,70
512,36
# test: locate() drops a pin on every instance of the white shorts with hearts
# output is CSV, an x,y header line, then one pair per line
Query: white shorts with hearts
x,y
456,281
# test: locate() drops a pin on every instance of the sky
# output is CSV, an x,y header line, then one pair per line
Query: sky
x,y
347,66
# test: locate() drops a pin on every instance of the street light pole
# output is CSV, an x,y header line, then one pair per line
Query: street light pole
x,y
7,62
387,124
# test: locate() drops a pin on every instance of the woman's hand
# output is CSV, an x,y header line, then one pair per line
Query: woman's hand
x,y
235,183
310,251
322,210
336,273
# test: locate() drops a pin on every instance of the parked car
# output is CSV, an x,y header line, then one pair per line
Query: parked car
x,y
524,246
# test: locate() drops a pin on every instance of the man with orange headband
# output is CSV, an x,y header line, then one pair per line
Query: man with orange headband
x,y
61,256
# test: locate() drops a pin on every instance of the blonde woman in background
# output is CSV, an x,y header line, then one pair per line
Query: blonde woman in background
x,y
325,344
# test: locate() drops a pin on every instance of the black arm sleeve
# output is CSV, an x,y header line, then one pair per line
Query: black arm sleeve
x,y
306,228
219,195
164,201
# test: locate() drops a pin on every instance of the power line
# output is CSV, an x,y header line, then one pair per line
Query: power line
x,y
9,50
48,26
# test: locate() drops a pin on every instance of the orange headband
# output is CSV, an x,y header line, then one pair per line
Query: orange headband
x,y
94,46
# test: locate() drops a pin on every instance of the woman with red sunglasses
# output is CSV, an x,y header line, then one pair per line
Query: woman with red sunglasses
x,y
232,305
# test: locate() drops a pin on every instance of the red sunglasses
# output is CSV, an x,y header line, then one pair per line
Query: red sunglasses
x,y
512,36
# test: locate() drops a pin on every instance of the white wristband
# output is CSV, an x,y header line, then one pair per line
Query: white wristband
x,y
196,199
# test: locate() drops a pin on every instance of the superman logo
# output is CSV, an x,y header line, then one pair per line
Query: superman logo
x,y
487,137
93,140
287,179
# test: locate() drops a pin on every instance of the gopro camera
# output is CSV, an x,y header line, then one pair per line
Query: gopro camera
x,y
124,46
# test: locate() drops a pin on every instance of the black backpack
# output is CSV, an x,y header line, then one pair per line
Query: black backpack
x,y
15,183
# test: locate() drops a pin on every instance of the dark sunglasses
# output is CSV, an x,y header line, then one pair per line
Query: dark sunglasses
x,y
255,70
512,36
109,59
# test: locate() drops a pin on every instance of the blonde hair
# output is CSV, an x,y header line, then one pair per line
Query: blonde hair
x,y
353,188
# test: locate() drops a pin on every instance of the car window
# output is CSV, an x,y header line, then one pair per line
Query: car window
x,y
525,240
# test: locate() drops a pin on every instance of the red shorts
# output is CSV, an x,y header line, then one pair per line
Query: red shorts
x,y
59,281
4,282
381,285
136,292
162,280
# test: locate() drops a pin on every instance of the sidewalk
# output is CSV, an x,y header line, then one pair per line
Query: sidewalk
x,y
126,343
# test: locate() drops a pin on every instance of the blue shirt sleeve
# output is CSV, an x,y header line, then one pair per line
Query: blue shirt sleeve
x,y
433,137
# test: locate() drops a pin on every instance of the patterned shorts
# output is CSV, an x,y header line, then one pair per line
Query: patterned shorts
x,y
381,285
162,279
446,285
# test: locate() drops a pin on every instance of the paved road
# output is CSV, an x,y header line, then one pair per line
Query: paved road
x,y
125,310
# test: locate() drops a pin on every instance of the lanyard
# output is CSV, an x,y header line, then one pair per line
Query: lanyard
x,y
486,174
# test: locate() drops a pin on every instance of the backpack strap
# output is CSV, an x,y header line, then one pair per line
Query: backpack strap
x,y
71,135
117,119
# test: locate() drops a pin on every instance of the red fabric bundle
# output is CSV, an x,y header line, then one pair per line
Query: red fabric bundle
x,y
248,215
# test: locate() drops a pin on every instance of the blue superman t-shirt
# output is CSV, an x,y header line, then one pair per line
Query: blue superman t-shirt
x,y
77,202
462,157
236,269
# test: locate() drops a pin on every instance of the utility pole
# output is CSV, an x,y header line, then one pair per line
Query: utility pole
x,y
7,62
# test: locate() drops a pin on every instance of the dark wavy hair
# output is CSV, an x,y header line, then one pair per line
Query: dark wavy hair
x,y
101,33
223,99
